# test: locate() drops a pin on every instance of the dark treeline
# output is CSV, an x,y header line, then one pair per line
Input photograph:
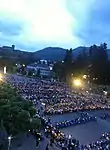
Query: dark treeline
x,y
92,62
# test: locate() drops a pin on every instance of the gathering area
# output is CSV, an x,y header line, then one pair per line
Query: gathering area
x,y
72,120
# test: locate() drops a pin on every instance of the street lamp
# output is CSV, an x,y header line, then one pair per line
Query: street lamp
x,y
77,82
9,142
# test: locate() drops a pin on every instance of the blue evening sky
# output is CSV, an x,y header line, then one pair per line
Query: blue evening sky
x,y
34,24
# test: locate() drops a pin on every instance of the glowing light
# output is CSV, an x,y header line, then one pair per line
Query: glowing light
x,y
51,68
23,65
84,76
77,82
69,136
9,138
105,92
1,77
43,104
4,70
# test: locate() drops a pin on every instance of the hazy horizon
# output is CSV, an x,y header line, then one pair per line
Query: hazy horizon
x,y
35,24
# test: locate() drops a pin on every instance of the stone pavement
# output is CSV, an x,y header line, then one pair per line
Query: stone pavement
x,y
23,143
43,144
29,143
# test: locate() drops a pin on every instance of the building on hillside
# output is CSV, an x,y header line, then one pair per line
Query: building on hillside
x,y
8,47
44,69
43,61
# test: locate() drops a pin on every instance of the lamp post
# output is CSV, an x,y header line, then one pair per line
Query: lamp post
x,y
9,142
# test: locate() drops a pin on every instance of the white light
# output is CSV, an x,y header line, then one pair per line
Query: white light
x,y
51,68
9,138
53,132
69,136
43,104
84,76
4,70
105,92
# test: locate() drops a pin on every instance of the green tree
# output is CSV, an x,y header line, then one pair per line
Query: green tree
x,y
16,114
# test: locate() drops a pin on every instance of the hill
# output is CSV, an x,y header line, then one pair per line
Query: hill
x,y
51,53
7,54
57,53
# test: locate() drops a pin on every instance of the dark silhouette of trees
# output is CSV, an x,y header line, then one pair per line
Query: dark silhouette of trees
x,y
92,61
98,61
59,72
68,65
81,62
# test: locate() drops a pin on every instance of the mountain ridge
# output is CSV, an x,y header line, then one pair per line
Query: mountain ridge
x,y
48,53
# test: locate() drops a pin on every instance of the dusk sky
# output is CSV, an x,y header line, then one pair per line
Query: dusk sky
x,y
34,24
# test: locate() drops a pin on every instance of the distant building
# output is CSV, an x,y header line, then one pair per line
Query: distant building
x,y
45,70
9,47
43,61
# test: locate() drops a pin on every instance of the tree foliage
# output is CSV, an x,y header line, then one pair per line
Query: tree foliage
x,y
99,64
68,64
92,61
16,114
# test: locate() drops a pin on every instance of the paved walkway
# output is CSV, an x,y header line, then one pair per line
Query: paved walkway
x,y
43,144
24,143
29,143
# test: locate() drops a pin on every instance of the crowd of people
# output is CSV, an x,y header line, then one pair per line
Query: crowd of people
x,y
58,98
102,144
59,139
75,121
105,116
70,143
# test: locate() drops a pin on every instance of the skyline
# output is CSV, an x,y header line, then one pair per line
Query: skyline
x,y
34,24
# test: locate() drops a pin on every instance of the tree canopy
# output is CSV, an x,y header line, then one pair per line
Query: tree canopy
x,y
92,61
16,114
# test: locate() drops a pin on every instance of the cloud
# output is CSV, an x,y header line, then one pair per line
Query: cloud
x,y
35,24
94,27
42,21
10,28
